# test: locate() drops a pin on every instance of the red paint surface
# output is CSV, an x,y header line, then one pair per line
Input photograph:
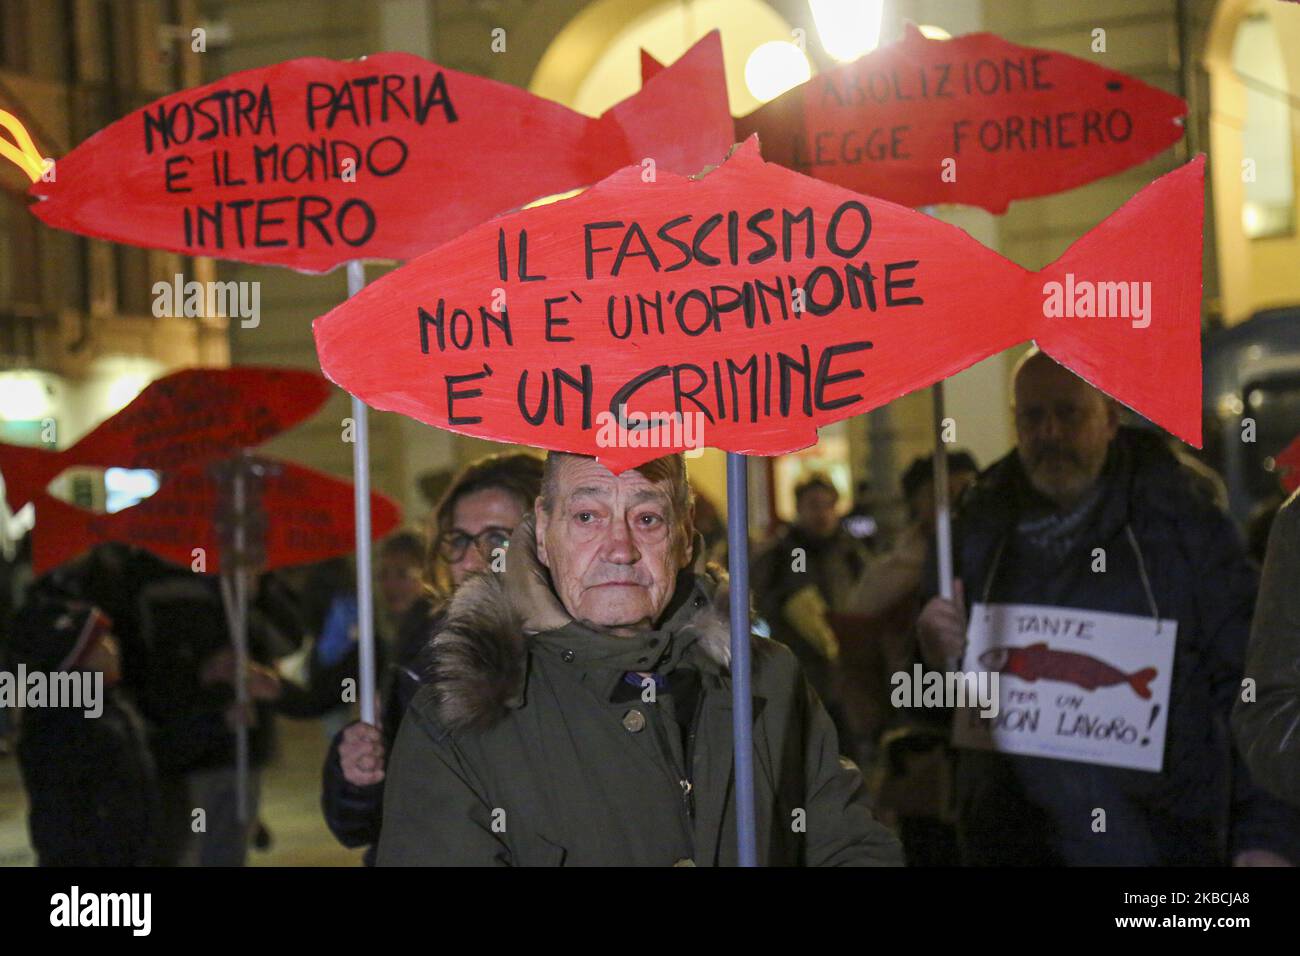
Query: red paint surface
x,y
974,303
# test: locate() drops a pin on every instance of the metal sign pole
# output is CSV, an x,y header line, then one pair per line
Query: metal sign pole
x,y
741,697
942,508
361,507
240,633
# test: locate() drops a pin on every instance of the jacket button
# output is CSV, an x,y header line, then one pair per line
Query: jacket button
x,y
567,657
685,862
634,721
699,602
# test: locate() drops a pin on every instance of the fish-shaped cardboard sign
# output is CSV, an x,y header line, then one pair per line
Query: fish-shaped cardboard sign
x,y
309,517
746,308
976,120
189,416
313,162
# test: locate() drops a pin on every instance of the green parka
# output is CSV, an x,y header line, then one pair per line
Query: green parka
x,y
529,748
1267,725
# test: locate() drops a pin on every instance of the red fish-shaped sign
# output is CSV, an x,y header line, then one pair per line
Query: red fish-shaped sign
x,y
313,162
189,416
1040,662
746,308
309,518
975,120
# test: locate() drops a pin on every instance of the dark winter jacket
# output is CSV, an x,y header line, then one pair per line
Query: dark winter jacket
x,y
835,566
1268,727
91,787
529,747
354,813
184,623
1155,526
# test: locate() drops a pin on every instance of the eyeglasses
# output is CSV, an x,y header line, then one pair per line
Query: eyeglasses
x,y
453,544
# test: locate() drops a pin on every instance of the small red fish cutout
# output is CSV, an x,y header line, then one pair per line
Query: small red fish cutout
x,y
1040,662
975,120
746,308
189,416
308,517
313,162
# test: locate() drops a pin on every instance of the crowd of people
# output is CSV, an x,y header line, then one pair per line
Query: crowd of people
x,y
556,687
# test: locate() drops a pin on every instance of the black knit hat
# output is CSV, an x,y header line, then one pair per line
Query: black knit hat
x,y
52,633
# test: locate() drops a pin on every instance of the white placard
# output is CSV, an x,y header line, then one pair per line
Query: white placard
x,y
1072,684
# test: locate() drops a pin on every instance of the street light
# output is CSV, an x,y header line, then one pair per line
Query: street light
x,y
775,67
848,28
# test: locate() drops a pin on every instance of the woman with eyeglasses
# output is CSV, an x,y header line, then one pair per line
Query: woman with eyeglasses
x,y
471,531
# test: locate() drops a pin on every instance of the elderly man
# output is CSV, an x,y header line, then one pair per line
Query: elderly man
x,y
1027,534
581,714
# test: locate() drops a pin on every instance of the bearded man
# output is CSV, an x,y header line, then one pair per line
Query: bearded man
x,y
1087,514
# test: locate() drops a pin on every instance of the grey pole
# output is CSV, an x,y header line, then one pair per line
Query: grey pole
x,y
361,506
942,509
240,627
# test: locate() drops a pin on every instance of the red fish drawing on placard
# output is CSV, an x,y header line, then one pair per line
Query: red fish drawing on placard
x,y
193,415
1040,662
309,517
760,304
313,162
975,120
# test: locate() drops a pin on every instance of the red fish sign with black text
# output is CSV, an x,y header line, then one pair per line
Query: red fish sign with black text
x,y
975,120
314,162
744,309
309,518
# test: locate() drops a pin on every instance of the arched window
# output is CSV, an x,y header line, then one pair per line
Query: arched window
x,y
1268,203
1253,60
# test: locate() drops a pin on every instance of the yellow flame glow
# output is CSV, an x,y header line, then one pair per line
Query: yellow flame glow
x,y
23,155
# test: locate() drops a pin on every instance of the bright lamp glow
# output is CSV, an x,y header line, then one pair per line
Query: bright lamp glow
x,y
931,32
775,67
848,28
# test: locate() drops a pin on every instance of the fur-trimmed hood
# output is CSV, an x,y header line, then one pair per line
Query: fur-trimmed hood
x,y
479,658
